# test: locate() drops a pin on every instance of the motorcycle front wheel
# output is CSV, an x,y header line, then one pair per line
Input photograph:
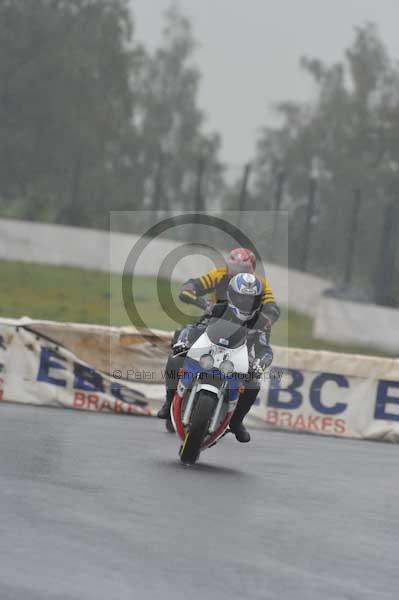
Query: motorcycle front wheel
x,y
199,425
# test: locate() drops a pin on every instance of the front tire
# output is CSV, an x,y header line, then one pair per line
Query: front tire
x,y
199,425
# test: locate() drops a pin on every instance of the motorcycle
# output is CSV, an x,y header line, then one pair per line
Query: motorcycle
x,y
209,386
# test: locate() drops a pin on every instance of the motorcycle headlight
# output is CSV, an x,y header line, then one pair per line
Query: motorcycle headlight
x,y
227,367
206,362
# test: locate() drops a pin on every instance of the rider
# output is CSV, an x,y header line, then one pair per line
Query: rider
x,y
229,293
215,282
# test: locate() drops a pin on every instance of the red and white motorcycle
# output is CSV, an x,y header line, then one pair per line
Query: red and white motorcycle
x,y
209,386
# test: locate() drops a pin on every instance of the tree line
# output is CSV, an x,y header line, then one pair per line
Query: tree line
x,y
346,141
92,121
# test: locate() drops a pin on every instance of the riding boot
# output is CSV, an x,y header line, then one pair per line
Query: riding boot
x,y
164,411
236,424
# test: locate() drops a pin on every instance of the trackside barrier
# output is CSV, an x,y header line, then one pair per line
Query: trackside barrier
x,y
119,370
35,369
368,325
51,244
334,320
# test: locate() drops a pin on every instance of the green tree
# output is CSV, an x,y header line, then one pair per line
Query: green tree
x,y
89,121
66,104
172,124
353,129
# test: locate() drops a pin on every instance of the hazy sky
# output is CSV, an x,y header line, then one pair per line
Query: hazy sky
x,y
249,51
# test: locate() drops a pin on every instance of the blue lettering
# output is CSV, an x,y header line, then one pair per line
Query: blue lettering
x,y
87,379
383,398
47,362
296,396
116,390
315,393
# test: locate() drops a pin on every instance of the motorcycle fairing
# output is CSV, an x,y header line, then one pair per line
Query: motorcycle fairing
x,y
192,369
237,355
212,377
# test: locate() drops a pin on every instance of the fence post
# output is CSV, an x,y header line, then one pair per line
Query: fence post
x,y
313,181
199,202
353,232
385,280
157,197
278,197
243,192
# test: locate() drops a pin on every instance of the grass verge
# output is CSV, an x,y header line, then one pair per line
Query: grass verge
x,y
77,295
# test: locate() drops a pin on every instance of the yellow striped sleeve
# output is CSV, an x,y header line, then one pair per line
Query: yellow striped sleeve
x,y
204,282
210,280
189,294
268,295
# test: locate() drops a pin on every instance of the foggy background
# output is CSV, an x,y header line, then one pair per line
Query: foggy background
x,y
115,105
249,52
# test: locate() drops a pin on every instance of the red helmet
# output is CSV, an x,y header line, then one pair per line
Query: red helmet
x,y
241,260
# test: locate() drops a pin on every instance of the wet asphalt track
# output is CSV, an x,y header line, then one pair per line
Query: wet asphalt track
x,y
97,507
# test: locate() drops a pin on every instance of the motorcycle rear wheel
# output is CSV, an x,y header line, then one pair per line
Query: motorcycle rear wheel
x,y
199,424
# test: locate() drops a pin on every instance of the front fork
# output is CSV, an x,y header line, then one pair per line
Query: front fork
x,y
195,389
190,402
218,409
220,393
181,417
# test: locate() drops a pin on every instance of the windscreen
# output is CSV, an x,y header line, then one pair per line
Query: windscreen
x,y
226,332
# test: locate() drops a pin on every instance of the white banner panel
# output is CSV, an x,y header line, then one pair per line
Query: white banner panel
x,y
310,391
330,403
36,370
365,324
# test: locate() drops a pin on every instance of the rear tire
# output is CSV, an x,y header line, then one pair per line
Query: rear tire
x,y
200,421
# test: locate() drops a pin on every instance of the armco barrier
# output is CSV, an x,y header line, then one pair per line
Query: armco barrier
x,y
71,365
